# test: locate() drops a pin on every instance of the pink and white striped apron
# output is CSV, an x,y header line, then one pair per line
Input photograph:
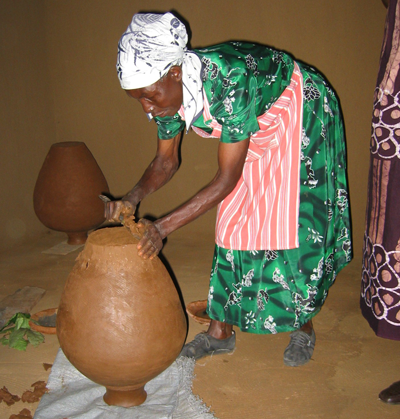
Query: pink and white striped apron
x,y
262,212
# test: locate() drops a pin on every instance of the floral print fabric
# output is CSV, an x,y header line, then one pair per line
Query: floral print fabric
x,y
380,285
277,291
242,81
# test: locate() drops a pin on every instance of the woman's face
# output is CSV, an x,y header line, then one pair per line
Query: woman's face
x,y
163,98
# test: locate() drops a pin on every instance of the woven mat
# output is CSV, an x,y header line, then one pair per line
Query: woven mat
x,y
169,396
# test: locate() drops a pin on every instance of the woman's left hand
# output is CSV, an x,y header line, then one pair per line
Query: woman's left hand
x,y
151,242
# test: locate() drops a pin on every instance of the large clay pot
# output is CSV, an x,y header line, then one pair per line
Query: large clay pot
x,y
66,195
120,321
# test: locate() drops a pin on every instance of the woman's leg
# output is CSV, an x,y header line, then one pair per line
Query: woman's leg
x,y
307,328
301,346
220,330
218,339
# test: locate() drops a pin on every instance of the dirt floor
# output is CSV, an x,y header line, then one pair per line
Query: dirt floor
x,y
349,368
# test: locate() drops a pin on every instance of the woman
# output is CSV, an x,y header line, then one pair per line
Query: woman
x,y
282,231
381,269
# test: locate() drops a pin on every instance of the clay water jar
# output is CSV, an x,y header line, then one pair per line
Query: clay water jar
x,y
66,195
120,321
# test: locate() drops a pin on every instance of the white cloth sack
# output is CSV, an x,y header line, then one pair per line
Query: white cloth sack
x,y
169,396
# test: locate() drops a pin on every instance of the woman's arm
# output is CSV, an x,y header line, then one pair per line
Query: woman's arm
x,y
158,173
231,158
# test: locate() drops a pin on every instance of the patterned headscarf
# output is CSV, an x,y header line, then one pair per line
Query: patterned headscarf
x,y
151,45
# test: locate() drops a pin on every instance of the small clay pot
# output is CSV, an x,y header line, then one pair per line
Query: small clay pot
x,y
197,311
66,195
46,321
120,321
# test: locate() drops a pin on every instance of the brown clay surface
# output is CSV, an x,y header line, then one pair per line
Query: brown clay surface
x,y
349,368
8,398
32,396
120,320
66,194
23,414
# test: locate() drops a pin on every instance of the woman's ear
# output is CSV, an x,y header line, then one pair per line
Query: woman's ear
x,y
176,72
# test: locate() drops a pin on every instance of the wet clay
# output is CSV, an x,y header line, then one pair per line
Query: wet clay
x,y
120,321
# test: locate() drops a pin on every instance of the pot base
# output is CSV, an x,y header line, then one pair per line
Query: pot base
x,y
125,398
77,238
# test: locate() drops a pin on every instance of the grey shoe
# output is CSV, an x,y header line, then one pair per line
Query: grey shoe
x,y
300,349
204,344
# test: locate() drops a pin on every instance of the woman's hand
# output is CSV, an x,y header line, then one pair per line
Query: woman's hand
x,y
117,210
151,242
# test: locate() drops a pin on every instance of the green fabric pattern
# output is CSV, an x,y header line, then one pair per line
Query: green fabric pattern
x,y
273,291
242,81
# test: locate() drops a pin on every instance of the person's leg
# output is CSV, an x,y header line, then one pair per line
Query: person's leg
x,y
301,346
219,338
307,328
220,330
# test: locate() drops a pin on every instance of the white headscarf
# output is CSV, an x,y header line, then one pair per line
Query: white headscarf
x,y
151,45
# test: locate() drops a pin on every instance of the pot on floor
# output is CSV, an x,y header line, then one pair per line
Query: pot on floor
x,y
66,195
44,321
120,321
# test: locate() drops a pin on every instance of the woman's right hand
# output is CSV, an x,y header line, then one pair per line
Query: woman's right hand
x,y
117,210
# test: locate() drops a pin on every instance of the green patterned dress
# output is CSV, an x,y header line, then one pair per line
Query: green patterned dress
x,y
272,291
